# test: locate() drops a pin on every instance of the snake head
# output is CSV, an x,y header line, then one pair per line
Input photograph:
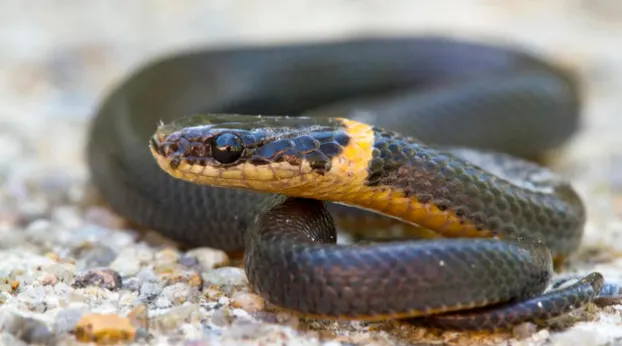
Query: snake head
x,y
260,152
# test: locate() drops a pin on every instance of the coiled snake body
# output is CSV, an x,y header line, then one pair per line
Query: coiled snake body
x,y
379,124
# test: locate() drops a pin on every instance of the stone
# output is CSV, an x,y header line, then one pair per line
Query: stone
x,y
104,278
97,256
104,329
66,319
225,276
27,329
149,291
208,258
247,301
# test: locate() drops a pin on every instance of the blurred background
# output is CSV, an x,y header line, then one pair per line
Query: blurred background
x,y
58,58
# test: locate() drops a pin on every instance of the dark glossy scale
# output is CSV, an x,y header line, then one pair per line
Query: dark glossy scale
x,y
519,199
442,91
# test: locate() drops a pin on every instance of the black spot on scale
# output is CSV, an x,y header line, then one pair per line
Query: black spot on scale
x,y
319,162
155,146
175,162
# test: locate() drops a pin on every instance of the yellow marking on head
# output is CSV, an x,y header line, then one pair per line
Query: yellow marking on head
x,y
344,182
357,154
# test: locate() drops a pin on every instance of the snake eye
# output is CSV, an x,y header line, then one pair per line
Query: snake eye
x,y
227,148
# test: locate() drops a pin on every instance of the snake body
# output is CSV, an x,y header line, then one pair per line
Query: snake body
x,y
378,124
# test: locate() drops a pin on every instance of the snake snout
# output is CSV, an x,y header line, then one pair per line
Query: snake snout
x,y
172,148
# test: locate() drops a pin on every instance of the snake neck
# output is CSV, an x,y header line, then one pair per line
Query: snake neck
x,y
444,191
401,177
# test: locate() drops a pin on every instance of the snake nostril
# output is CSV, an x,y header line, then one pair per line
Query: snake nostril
x,y
164,147
156,145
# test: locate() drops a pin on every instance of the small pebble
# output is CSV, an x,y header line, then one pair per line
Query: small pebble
x,y
98,256
63,272
132,284
191,331
142,335
66,319
56,186
48,279
33,212
149,291
29,330
167,256
125,267
67,216
39,230
104,278
162,302
189,261
222,317
175,317
104,217
288,319
147,275
104,329
247,301
63,289
130,261
282,318
178,293
5,284
24,278
190,278
245,329
213,292
126,299
524,330
139,316
225,276
92,235
34,298
209,258
10,240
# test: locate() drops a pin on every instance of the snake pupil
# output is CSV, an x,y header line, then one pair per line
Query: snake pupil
x,y
227,148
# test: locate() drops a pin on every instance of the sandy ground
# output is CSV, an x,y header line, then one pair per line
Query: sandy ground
x,y
58,58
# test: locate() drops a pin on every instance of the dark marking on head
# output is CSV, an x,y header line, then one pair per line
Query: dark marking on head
x,y
155,145
315,146
174,163
319,162
222,141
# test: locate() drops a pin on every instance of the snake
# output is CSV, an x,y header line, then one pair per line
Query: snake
x,y
264,149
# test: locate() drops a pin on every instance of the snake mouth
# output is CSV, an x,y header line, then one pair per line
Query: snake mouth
x,y
263,153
